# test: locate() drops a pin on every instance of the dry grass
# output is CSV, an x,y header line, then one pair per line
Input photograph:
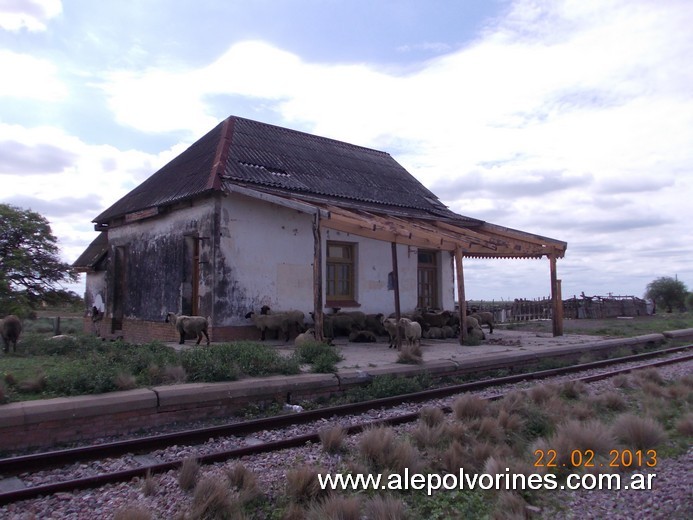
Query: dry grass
x,y
10,380
609,401
302,485
573,436
541,394
149,485
376,444
622,381
187,476
336,507
684,425
431,416
385,508
410,354
573,389
510,506
639,433
244,481
132,513
649,374
213,499
469,406
125,381
34,384
489,429
404,456
174,375
332,438
426,436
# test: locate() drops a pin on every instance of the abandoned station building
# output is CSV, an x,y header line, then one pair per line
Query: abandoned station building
x,y
254,214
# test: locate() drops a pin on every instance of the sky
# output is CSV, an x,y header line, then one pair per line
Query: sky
x,y
571,119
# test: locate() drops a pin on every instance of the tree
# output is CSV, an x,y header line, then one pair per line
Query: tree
x,y
667,292
30,268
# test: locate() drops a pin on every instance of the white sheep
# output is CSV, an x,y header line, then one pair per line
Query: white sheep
x,y
193,325
294,319
390,325
305,337
412,331
281,322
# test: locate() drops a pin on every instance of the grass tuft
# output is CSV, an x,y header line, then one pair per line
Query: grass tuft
x,y
469,406
213,499
302,485
376,444
410,354
385,508
640,433
431,416
245,482
187,476
332,438
336,507
149,485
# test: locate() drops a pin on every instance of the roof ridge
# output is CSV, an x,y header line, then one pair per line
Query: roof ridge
x,y
221,155
314,137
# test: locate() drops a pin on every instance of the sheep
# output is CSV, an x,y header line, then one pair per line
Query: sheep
x,y
305,337
358,317
412,331
294,319
433,333
390,325
341,324
474,330
484,318
436,319
448,332
374,323
362,336
10,329
266,322
193,325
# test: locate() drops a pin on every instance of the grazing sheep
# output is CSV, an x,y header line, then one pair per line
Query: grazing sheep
x,y
433,333
305,337
362,336
474,330
374,323
358,317
484,318
266,322
341,324
390,325
412,331
436,319
294,319
10,329
448,332
193,325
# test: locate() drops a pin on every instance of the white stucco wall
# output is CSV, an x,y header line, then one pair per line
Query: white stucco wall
x,y
274,266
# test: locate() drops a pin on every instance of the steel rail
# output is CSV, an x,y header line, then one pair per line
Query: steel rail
x,y
142,471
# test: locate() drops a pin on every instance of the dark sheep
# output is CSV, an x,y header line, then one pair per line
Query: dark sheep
x,y
362,336
10,328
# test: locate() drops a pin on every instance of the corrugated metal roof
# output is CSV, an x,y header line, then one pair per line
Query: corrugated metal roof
x,y
93,254
249,152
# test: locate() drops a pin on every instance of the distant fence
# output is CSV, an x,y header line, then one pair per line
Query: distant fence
x,y
582,307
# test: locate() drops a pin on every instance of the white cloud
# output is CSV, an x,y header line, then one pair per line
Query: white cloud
x,y
569,119
31,78
30,14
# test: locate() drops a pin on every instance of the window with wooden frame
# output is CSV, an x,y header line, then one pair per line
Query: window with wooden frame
x,y
340,282
427,279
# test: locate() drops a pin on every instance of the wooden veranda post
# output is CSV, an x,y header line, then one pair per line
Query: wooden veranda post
x,y
556,300
395,285
460,293
317,278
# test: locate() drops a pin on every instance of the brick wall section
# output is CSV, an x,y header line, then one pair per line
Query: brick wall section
x,y
142,331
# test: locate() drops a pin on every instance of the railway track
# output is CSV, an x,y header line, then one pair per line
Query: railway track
x,y
42,461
